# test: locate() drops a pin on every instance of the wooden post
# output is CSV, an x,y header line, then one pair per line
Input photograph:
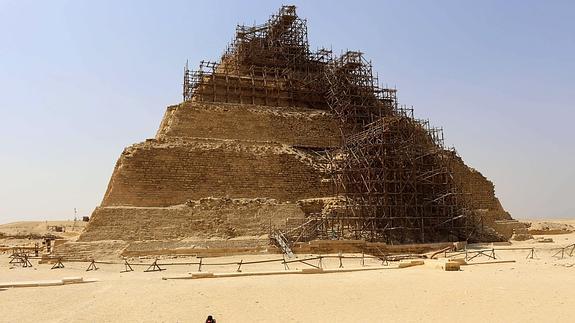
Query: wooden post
x,y
154,267
531,254
562,251
384,261
58,265
26,262
127,267
92,266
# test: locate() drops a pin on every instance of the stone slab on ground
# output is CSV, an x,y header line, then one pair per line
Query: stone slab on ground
x,y
47,283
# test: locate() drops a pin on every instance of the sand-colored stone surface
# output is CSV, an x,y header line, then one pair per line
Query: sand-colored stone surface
x,y
275,119
39,228
551,227
28,233
528,290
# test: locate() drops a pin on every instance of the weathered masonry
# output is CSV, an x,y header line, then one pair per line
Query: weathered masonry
x,y
275,136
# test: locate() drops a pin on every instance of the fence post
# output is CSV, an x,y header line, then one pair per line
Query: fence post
x,y
92,266
58,265
127,266
531,253
154,267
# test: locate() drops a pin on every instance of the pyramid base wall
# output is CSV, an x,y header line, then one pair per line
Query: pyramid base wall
x,y
162,173
203,219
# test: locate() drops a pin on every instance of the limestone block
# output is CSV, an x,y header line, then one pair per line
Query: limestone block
x,y
451,266
312,271
410,263
202,275
72,280
50,283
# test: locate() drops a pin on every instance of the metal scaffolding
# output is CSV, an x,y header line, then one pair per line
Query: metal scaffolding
x,y
392,170
396,179
268,64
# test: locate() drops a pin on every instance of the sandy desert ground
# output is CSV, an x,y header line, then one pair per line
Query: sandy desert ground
x,y
71,229
529,290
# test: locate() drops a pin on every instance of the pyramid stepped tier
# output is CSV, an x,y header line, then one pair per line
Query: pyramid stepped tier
x,y
480,192
170,172
204,219
291,126
83,251
275,136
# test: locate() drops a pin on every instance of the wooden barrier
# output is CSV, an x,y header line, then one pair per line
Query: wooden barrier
x,y
157,265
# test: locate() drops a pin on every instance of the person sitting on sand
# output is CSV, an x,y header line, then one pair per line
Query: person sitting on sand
x,y
210,319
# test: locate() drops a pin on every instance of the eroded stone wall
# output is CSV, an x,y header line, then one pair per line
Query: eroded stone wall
x,y
290,126
203,219
260,146
480,192
165,173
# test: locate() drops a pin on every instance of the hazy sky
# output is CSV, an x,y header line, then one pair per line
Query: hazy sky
x,y
80,80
